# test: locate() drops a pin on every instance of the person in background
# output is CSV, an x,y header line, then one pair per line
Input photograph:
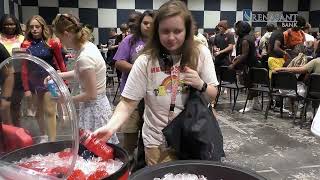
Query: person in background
x,y
11,37
257,37
245,59
89,70
316,49
39,43
222,46
124,33
212,35
233,33
112,47
310,40
125,57
112,36
264,43
6,84
133,21
112,39
245,44
277,58
276,50
152,77
295,35
311,67
199,37
60,109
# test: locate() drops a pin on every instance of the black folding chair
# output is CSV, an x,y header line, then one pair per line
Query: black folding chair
x,y
284,85
118,89
228,79
258,82
312,95
111,74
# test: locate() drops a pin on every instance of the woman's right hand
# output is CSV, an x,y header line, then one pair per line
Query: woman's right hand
x,y
27,94
104,133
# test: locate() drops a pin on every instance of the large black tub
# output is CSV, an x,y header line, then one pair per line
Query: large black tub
x,y
53,147
212,170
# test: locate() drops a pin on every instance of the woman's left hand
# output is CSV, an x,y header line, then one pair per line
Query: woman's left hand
x,y
192,78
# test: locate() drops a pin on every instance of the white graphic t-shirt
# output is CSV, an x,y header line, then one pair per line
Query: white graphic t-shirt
x,y
146,80
89,57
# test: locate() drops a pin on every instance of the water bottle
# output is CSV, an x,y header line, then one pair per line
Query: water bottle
x,y
94,145
53,89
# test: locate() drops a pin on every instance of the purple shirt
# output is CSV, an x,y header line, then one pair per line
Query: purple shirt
x,y
129,53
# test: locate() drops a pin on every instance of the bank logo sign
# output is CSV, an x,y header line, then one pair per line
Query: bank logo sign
x,y
247,15
287,20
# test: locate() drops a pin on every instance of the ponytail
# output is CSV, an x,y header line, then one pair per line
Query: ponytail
x,y
83,35
68,22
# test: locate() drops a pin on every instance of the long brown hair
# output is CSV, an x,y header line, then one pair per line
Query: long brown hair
x,y
189,49
69,23
137,34
45,30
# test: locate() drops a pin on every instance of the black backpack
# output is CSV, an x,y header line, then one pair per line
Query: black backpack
x,y
195,132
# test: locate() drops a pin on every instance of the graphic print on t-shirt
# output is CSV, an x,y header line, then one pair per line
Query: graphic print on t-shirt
x,y
137,50
170,81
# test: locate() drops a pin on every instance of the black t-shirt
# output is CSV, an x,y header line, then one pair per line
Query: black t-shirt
x,y
276,35
222,40
4,54
119,39
251,60
112,42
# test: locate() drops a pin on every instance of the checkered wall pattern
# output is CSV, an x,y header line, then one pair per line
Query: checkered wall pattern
x,y
106,14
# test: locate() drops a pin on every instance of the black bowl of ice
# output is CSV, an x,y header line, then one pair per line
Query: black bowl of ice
x,y
207,169
53,147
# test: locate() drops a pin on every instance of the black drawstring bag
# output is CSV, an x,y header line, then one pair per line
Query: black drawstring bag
x,y
195,132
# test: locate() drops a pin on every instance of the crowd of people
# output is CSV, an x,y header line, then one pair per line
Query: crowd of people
x,y
159,56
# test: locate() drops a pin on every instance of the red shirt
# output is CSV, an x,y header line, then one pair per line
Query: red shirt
x,y
57,61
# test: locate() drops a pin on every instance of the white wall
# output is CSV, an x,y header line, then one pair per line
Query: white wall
x,y
6,6
314,5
